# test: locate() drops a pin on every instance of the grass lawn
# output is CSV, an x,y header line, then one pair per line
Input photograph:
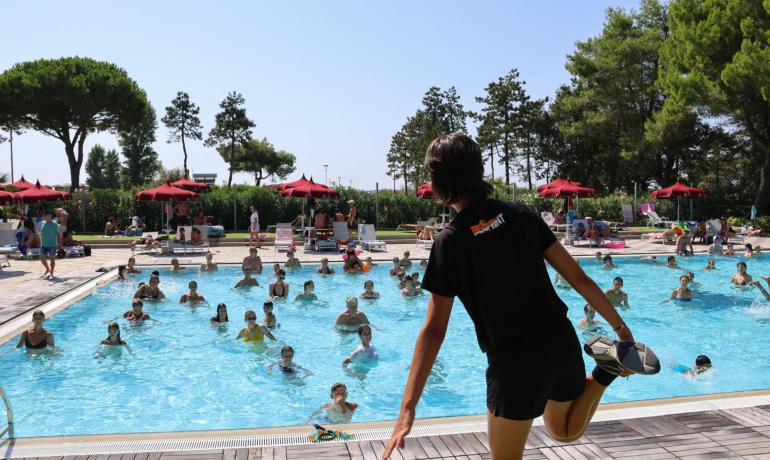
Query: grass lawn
x,y
99,237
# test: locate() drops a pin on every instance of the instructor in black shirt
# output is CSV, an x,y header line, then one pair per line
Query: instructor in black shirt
x,y
491,256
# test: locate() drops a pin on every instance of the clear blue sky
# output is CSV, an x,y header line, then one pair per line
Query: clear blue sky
x,y
328,81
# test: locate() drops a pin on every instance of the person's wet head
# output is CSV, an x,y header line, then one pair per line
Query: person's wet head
x,y
308,286
365,333
589,313
617,283
222,313
352,304
267,307
702,362
136,307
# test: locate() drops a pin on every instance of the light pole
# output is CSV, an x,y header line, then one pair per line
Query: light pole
x,y
326,174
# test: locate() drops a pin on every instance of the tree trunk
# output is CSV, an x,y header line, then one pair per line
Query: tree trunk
x,y
762,198
529,169
492,160
230,164
406,182
74,167
184,149
507,158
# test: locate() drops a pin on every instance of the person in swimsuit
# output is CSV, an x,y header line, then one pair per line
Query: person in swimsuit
x,y
589,322
702,364
761,289
692,282
684,241
424,263
252,261
247,280
324,268
369,262
741,278
729,250
131,266
369,292
752,251
209,266
276,269
221,316
396,268
339,411
715,248
616,296
287,364
121,272
671,263
405,261
175,267
711,265
683,292
150,290
608,264
136,313
307,292
193,295
352,263
365,351
279,289
113,336
416,281
37,336
270,321
598,257
291,261
351,319
253,332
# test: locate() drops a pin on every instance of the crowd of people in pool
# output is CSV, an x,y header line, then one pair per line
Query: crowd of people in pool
x,y
351,320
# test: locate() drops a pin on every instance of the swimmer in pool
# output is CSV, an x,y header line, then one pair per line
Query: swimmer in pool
x,y
193,295
396,268
761,289
671,263
287,364
405,261
598,257
369,262
253,332
307,292
113,336
209,266
351,319
416,281
590,321
291,261
408,288
221,316
175,267
37,336
616,296
270,320
608,262
352,263
649,259
324,268
276,269
729,250
150,290
131,267
339,411
365,351
121,273
279,289
702,364
752,251
715,248
247,280
682,293
711,265
369,292
691,277
137,312
252,261
741,278
424,263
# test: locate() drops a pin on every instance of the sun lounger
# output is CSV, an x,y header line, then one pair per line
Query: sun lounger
x,y
341,235
284,237
142,248
549,219
420,223
368,239
663,237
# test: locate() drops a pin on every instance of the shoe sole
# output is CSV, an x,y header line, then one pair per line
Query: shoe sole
x,y
634,357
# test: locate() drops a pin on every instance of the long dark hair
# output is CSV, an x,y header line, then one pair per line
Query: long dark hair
x,y
116,326
219,318
456,169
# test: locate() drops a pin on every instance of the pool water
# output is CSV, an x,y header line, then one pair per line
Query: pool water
x,y
184,374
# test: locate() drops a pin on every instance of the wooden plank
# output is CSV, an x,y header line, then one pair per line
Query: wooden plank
x,y
656,426
428,447
154,456
142,456
533,454
469,444
354,450
367,450
228,454
186,456
280,453
413,450
591,451
452,445
438,443
255,453
242,454
709,455
483,439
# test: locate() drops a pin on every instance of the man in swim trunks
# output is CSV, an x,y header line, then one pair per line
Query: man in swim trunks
x,y
616,296
247,280
193,295
279,289
50,243
252,261
351,319
489,244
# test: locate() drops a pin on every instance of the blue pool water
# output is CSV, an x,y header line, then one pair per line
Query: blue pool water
x,y
184,374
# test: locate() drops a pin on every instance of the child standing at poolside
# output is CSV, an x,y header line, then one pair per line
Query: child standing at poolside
x,y
340,410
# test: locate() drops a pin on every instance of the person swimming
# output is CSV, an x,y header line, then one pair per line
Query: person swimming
x,y
175,267
715,248
324,268
193,295
649,259
247,280
113,336
407,287
352,263
131,267
671,262
340,410
711,265
741,278
137,312
270,321
752,251
286,364
608,264
416,281
598,257
702,364
730,250
307,292
221,316
276,269
683,292
424,263
365,351
36,337
351,318
279,289
291,261
253,332
589,322
252,261
368,262
369,292
396,268
405,261
615,295
150,290
209,265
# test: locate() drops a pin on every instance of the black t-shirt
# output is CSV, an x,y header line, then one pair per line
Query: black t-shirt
x,y
491,257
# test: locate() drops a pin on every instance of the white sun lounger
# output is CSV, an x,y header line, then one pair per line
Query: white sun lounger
x,y
367,237
284,237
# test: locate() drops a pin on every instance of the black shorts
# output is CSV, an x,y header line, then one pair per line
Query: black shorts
x,y
521,379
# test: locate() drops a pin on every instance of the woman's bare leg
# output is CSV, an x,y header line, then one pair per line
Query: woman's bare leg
x,y
567,421
507,438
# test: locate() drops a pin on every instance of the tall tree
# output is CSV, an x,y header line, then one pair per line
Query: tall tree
x,y
140,161
260,158
182,121
231,128
95,167
718,60
69,98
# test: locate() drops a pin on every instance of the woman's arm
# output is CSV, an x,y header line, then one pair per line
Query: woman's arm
x,y
569,269
267,332
428,344
49,339
22,339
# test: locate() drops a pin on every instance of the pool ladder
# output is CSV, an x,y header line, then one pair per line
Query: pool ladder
x,y
9,428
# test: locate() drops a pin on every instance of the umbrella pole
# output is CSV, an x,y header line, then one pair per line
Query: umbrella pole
x,y
690,208
577,206
677,209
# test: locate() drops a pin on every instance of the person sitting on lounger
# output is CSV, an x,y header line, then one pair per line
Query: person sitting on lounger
x,y
425,233
593,233
247,280
181,236
111,227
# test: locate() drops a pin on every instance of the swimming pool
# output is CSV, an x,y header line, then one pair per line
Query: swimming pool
x,y
187,375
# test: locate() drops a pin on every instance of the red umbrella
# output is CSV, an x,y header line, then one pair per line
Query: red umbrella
x,y
310,189
297,183
555,183
425,191
21,184
166,192
187,184
7,197
679,190
39,194
565,190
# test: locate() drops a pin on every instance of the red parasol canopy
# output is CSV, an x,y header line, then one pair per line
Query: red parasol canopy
x,y
39,194
188,184
7,197
310,189
555,183
567,189
297,183
678,190
21,184
425,191
166,192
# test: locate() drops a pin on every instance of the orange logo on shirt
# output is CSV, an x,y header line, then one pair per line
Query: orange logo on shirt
x,y
486,226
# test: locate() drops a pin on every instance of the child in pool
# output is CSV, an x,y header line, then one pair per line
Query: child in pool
x,y
136,313
369,292
409,289
221,316
590,321
325,269
113,336
711,265
307,293
616,296
416,281
683,292
396,268
193,295
276,269
287,364
291,261
352,262
671,262
270,320
175,267
702,364
369,263
608,262
405,261
424,263
365,351
247,280
253,332
339,411
131,267
598,257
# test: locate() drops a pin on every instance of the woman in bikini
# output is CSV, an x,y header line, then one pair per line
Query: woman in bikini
x,y
37,336
150,290
683,292
113,336
193,295
279,289
136,313
741,278
253,332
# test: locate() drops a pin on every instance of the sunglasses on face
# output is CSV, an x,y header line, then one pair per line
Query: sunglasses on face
x,y
251,318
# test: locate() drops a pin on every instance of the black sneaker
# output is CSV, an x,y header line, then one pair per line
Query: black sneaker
x,y
619,358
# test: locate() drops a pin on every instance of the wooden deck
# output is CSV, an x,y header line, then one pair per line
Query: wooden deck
x,y
732,433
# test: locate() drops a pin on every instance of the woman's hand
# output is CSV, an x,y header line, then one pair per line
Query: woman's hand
x,y
400,430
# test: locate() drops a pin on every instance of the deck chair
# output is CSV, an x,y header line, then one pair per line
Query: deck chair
x,y
4,262
653,220
549,218
341,235
284,237
574,232
368,239
202,247
181,244
142,248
